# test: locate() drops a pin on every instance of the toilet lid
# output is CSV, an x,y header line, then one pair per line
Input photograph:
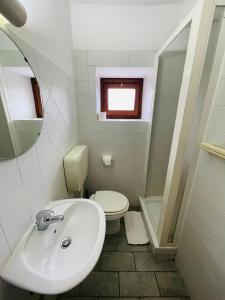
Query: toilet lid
x,y
111,201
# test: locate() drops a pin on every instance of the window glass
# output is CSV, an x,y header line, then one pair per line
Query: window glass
x,y
121,99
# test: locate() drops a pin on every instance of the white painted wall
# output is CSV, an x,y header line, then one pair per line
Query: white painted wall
x,y
29,182
125,27
20,95
48,30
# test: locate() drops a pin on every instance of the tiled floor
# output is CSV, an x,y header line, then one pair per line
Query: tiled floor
x,y
130,273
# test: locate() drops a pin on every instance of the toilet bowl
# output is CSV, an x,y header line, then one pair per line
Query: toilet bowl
x,y
115,206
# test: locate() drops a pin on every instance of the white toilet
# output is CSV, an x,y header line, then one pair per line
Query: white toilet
x,y
115,204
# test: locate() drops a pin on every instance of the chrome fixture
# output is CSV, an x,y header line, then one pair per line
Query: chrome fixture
x,y
45,218
14,12
66,243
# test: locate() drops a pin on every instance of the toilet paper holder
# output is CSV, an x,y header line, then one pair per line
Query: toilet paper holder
x,y
107,159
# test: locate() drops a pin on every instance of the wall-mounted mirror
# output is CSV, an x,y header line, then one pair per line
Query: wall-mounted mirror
x,y
21,113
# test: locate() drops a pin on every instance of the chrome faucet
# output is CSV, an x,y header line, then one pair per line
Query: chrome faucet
x,y
46,217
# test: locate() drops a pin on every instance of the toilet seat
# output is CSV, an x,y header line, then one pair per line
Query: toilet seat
x,y
112,202
115,206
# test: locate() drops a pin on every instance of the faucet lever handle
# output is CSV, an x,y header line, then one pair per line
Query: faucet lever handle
x,y
44,214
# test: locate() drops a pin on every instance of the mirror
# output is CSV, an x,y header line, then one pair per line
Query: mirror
x,y
21,113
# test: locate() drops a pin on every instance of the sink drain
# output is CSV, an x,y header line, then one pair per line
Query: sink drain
x,y
66,243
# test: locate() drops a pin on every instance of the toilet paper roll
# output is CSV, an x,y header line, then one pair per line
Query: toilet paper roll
x,y
107,160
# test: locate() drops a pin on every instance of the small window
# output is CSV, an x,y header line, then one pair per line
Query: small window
x,y
121,98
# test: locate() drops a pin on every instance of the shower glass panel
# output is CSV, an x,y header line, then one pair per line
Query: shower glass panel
x,y
192,142
169,78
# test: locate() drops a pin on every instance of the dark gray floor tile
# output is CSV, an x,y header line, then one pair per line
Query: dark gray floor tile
x,y
134,208
173,265
121,244
73,292
171,284
145,261
118,261
117,298
98,266
135,284
165,256
77,298
47,297
121,233
161,298
101,284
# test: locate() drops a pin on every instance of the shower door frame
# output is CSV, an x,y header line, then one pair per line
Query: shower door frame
x,y
201,18
208,102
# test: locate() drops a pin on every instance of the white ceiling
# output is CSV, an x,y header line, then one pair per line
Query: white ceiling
x,y
129,2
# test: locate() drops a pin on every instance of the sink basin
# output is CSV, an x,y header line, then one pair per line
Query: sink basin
x,y
41,264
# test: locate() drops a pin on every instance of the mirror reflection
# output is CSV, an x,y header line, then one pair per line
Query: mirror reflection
x,y
21,113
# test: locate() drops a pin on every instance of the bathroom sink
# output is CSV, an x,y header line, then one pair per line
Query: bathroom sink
x,y
55,260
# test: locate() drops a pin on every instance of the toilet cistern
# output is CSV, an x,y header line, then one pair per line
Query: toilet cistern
x,y
46,217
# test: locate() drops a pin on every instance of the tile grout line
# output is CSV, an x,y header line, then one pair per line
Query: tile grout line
x,y
101,261
135,264
157,283
133,271
79,289
119,282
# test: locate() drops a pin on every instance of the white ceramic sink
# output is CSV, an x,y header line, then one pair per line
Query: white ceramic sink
x,y
39,264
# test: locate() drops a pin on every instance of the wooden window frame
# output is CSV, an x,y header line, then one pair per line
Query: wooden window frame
x,y
37,97
134,83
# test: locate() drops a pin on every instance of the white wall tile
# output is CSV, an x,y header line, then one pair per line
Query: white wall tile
x,y
5,251
94,58
86,100
217,119
148,58
81,73
15,222
10,196
108,58
7,167
135,58
30,169
220,99
80,57
92,87
87,113
82,87
125,140
91,73
121,58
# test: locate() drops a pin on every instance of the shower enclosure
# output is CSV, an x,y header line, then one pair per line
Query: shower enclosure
x,y
183,70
